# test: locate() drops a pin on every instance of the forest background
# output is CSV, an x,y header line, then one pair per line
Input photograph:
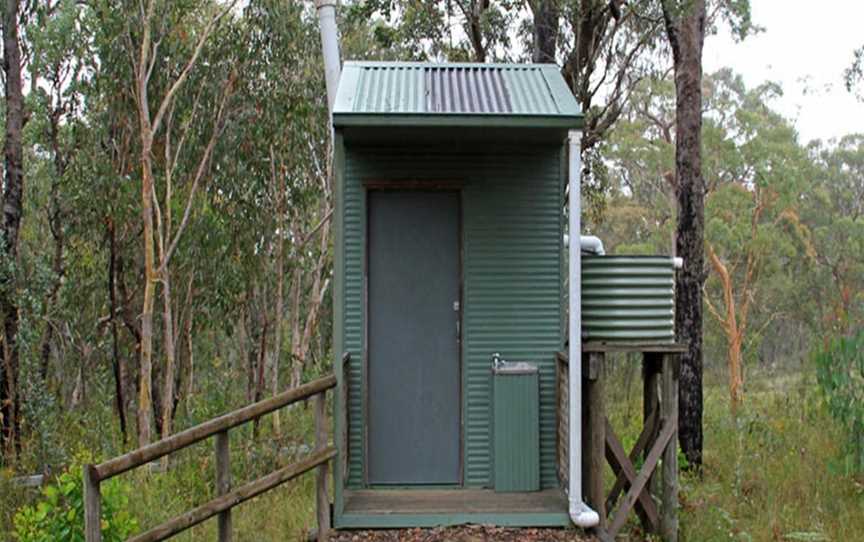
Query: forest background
x,y
173,257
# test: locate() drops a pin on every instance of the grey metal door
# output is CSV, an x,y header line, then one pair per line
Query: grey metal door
x,y
413,318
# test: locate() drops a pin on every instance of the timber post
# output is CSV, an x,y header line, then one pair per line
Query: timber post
x,y
321,495
652,367
669,414
92,506
223,482
594,432
658,440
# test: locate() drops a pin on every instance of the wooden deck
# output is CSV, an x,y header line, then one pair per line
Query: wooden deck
x,y
432,507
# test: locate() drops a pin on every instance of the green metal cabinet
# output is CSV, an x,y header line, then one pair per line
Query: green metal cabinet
x,y
516,427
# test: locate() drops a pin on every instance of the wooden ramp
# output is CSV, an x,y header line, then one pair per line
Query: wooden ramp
x,y
391,508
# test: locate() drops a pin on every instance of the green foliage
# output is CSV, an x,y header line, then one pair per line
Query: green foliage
x,y
59,515
840,370
854,74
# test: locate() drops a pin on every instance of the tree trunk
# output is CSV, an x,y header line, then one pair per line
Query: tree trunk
x,y
55,224
319,290
296,358
145,394
117,364
545,30
190,352
13,199
280,292
169,332
473,14
259,377
732,329
685,28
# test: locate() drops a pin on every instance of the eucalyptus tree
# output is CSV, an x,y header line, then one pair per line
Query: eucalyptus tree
x,y
685,28
159,47
61,61
686,23
287,158
754,230
854,74
13,195
834,211
756,178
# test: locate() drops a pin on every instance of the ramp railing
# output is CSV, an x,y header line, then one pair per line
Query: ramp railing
x,y
226,497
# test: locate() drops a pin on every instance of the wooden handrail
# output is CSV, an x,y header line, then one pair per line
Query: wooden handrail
x,y
235,497
190,436
226,498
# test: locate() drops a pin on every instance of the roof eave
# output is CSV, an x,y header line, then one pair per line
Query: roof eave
x,y
573,122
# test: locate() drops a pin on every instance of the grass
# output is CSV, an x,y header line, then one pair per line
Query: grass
x,y
768,472
285,513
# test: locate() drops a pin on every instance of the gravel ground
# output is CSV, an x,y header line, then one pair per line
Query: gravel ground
x,y
468,533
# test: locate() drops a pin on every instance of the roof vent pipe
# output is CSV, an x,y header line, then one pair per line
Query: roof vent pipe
x,y
580,513
329,48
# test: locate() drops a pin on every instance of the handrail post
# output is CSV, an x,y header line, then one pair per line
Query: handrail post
x,y
92,506
323,501
223,482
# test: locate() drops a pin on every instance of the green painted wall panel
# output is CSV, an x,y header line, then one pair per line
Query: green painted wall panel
x,y
511,207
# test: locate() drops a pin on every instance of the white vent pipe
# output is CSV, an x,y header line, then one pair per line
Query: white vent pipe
x,y
329,47
588,243
580,513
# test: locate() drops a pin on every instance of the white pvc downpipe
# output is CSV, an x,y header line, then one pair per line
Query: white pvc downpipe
x,y
329,48
580,513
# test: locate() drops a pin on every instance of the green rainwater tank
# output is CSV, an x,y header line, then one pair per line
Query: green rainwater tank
x,y
628,299
516,427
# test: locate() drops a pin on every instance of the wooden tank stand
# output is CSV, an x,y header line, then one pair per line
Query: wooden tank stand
x,y
642,489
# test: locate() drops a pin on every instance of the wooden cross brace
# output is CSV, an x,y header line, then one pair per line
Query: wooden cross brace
x,y
657,439
638,482
625,471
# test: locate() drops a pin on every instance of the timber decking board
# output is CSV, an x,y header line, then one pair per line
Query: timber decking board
x,y
448,501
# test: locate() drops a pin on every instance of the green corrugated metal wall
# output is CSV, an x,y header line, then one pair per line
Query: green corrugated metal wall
x,y
512,268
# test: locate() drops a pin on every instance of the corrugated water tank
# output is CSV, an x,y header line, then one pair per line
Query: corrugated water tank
x,y
628,299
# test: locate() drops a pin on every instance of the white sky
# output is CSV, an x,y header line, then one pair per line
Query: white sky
x,y
805,47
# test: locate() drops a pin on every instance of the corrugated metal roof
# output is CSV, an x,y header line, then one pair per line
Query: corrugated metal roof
x,y
383,93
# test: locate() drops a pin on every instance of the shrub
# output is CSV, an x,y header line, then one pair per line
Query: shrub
x,y
840,370
59,515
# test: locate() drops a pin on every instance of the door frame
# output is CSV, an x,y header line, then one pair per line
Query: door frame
x,y
372,185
